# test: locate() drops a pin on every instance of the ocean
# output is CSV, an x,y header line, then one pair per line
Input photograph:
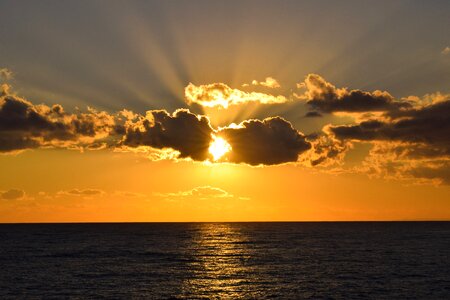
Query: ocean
x,y
329,260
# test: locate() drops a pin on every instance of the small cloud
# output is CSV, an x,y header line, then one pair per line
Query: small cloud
x,y
201,192
301,85
81,192
269,82
129,194
5,74
4,89
325,150
313,114
446,51
12,194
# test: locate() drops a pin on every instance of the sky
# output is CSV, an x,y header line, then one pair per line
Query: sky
x,y
161,111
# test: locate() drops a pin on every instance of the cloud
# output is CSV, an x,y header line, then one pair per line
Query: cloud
x,y
409,137
428,125
325,150
12,194
410,143
24,125
183,131
128,194
90,193
5,74
313,114
438,172
446,51
269,82
325,97
81,192
4,89
222,96
268,142
408,162
200,193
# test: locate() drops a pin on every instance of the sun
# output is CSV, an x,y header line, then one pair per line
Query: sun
x,y
218,147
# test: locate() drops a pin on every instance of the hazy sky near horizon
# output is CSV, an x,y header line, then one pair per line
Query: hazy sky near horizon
x,y
317,110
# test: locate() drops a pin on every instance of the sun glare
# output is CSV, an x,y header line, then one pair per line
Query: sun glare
x,y
218,147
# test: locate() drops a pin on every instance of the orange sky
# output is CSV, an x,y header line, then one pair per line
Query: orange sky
x,y
132,190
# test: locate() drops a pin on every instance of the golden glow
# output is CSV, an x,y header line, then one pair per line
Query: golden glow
x,y
222,96
219,147
131,184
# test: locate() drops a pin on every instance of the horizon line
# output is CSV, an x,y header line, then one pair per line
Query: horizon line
x,y
189,222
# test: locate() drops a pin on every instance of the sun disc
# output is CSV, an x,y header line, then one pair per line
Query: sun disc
x,y
218,147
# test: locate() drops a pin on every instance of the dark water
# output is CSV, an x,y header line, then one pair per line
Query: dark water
x,y
226,260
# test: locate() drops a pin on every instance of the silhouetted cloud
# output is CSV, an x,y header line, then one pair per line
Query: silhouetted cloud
x,y
323,96
267,142
407,143
439,171
188,133
428,125
24,125
12,194
409,137
221,95
313,114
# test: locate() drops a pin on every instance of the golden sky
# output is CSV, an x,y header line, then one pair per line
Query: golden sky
x,y
237,111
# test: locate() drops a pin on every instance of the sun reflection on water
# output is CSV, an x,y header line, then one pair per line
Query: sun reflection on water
x,y
220,266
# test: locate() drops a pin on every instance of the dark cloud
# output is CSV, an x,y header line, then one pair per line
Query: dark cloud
x,y
428,125
24,125
407,143
417,132
407,161
183,131
268,142
326,150
313,114
438,171
323,96
10,142
12,194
